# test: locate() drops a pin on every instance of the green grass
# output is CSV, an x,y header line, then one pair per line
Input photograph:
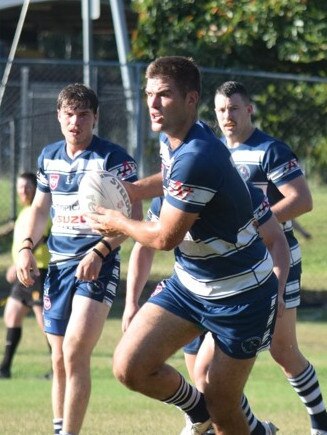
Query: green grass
x,y
25,399
314,251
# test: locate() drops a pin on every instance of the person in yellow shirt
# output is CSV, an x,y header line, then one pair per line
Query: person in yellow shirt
x,y
23,299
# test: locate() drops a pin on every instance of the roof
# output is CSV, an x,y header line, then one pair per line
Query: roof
x,y
4,4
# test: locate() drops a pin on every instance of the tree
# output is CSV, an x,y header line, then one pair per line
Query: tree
x,y
279,36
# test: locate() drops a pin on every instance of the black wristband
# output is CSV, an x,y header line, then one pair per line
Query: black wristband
x,y
98,253
28,239
25,247
107,245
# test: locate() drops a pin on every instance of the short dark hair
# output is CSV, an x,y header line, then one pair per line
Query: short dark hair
x,y
230,88
78,96
29,176
183,70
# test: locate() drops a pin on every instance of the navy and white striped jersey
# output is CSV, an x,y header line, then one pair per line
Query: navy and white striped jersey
x,y
71,237
221,255
269,163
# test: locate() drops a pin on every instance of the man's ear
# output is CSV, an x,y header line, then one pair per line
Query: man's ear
x,y
250,109
96,117
193,97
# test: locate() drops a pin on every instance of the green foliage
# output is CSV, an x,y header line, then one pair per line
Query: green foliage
x,y
286,36
279,35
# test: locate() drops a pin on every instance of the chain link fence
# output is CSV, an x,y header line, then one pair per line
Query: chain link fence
x,y
290,107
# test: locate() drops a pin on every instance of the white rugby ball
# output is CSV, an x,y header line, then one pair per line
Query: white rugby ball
x,y
104,190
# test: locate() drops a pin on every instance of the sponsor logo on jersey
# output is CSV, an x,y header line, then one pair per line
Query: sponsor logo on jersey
x,y
69,219
292,164
47,323
264,206
54,179
69,179
126,170
179,190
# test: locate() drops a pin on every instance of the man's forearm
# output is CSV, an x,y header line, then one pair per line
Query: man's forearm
x,y
146,188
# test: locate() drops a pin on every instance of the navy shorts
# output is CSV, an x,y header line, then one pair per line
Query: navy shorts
x,y
61,286
30,296
241,325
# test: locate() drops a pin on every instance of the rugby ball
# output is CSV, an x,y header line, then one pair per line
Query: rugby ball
x,y
104,190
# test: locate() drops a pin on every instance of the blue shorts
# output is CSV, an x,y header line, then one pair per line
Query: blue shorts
x,y
61,285
241,325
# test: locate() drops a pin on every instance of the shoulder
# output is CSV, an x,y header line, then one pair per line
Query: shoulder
x,y
269,142
53,148
104,147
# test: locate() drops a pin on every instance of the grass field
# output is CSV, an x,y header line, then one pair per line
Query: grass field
x,y
25,399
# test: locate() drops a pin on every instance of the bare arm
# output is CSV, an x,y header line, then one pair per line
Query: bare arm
x,y
139,268
34,229
164,234
146,188
275,240
297,200
90,266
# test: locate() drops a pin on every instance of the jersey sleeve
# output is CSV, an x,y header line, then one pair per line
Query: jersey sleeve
x,y
261,207
42,179
190,186
153,212
281,164
122,166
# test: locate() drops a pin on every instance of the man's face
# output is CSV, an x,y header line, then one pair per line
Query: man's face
x,y
25,191
168,109
233,116
77,124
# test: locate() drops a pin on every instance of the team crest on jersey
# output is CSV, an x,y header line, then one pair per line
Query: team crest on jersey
x,y
244,171
179,190
54,179
46,303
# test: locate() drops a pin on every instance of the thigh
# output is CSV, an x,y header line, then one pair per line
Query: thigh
x,y
226,378
152,337
14,313
285,330
85,324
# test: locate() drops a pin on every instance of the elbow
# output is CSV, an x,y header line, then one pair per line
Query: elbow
x,y
310,205
164,245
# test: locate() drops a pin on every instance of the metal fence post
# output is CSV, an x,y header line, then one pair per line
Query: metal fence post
x,y
25,145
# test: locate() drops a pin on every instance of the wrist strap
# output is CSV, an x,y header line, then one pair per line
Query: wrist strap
x,y
107,245
25,247
98,253
28,239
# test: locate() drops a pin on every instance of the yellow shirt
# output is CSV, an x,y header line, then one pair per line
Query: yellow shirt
x,y
41,253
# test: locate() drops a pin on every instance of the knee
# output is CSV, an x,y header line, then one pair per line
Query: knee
x,y
57,359
200,378
284,353
125,372
76,358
